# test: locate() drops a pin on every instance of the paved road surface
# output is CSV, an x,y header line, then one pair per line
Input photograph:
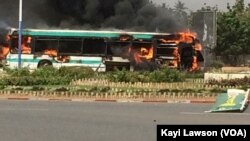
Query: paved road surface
x,y
97,121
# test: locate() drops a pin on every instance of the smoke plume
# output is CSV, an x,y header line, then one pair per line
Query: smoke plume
x,y
135,15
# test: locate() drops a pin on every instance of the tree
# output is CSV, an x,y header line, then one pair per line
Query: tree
x,y
233,30
180,12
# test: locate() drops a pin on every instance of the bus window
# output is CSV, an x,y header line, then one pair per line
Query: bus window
x,y
26,42
144,49
14,44
69,46
46,46
94,46
118,48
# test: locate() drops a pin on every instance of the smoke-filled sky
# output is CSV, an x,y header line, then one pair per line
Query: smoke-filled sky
x,y
136,15
139,15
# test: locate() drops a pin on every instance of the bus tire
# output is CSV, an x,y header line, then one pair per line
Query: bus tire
x,y
44,63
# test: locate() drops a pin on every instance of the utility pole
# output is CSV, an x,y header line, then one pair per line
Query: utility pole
x,y
20,33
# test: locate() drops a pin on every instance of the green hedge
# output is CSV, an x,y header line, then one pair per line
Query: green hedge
x,y
166,75
64,75
45,76
161,75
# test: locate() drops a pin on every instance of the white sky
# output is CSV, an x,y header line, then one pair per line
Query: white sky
x,y
197,4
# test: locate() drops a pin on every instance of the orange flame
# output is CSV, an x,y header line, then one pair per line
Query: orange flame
x,y
143,52
198,46
188,36
62,59
170,41
147,53
194,64
26,49
50,52
185,37
4,52
5,48
137,58
191,37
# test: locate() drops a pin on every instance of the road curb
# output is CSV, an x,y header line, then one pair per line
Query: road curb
x,y
110,100
18,98
118,100
105,100
202,101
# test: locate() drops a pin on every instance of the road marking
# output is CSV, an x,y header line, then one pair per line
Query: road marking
x,y
205,113
24,109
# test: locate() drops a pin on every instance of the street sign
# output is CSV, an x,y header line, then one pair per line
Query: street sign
x,y
233,100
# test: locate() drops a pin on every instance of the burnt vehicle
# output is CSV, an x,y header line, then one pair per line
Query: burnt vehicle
x,y
102,50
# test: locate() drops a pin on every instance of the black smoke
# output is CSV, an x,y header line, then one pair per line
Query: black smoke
x,y
35,14
135,15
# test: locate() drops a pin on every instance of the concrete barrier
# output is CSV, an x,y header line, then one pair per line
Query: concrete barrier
x,y
224,76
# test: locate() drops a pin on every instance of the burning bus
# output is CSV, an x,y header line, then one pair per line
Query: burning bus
x,y
181,50
102,50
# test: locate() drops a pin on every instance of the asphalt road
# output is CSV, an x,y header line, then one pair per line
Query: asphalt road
x,y
98,121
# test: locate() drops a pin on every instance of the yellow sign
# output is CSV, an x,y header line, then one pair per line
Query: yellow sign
x,y
229,102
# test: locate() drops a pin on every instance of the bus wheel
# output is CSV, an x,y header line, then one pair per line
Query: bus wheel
x,y
44,63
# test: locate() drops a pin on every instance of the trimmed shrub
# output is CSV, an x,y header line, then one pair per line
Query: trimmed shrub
x,y
17,72
217,64
166,75
76,72
194,75
45,76
231,82
161,75
37,88
46,72
62,89
128,76
118,76
217,90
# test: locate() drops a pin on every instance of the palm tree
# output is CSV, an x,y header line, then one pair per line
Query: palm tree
x,y
180,10
180,7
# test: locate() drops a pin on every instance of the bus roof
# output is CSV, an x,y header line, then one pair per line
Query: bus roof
x,y
88,33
